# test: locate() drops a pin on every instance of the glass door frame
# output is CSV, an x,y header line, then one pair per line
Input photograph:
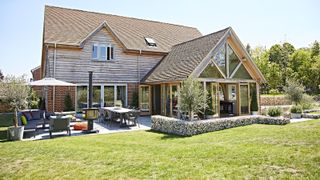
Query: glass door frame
x,y
249,104
149,99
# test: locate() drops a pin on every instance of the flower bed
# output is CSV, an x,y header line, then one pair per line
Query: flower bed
x,y
189,128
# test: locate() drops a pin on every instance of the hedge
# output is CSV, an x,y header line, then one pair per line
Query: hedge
x,y
188,128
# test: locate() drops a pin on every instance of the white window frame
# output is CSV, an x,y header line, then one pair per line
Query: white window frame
x,y
102,92
108,52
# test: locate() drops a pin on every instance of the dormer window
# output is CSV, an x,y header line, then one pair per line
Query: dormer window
x,y
150,42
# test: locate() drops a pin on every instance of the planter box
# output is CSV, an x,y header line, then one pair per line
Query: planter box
x,y
15,133
296,115
254,112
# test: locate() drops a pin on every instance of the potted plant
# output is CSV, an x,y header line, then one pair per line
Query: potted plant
x,y
254,101
15,91
192,97
296,112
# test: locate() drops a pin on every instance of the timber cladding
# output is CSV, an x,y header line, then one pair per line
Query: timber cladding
x,y
72,65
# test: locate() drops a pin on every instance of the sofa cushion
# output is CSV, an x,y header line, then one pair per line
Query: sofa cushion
x,y
28,115
35,114
24,120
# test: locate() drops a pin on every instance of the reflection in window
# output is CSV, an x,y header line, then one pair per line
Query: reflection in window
x,y
108,96
81,98
244,99
145,94
242,73
211,71
220,59
121,94
233,60
96,101
174,100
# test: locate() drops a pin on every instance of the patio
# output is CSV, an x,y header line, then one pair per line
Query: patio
x,y
102,127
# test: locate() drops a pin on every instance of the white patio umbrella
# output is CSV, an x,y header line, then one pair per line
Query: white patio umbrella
x,y
50,82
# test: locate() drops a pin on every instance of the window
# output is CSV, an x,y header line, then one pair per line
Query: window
x,y
220,59
150,42
102,52
95,51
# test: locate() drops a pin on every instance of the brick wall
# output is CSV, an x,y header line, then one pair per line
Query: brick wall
x,y
36,74
60,93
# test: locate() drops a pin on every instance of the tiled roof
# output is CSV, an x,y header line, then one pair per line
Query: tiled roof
x,y
184,58
71,27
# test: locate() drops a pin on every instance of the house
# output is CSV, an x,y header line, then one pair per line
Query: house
x,y
135,60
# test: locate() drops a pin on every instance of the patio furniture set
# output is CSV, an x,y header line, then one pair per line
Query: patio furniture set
x,y
61,121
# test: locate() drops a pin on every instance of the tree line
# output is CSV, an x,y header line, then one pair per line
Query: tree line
x,y
282,62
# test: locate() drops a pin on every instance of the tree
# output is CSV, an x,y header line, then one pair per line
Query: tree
x,y
274,76
1,75
275,54
14,91
248,48
315,49
192,97
294,91
287,47
68,105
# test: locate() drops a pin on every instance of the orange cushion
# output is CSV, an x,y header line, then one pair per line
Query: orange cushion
x,y
80,126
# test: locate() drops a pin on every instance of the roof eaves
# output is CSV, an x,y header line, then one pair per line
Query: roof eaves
x,y
145,78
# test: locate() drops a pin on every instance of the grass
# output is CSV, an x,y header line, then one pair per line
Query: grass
x,y
316,112
255,151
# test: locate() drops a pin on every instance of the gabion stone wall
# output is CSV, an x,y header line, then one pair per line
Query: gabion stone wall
x,y
188,128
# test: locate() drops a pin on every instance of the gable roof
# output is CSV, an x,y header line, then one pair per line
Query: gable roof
x,y
184,58
191,58
72,27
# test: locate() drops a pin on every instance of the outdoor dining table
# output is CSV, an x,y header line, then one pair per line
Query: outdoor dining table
x,y
121,111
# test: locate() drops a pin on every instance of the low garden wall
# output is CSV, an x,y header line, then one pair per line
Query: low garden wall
x,y
189,128
268,100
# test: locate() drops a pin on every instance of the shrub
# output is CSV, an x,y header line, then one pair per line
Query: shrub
x,y
274,91
254,101
294,91
274,111
209,109
33,99
296,109
307,101
68,105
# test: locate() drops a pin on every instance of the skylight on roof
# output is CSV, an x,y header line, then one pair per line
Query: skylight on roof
x,y
150,42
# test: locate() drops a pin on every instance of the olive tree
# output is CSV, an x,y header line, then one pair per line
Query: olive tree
x,y
193,97
15,92
294,91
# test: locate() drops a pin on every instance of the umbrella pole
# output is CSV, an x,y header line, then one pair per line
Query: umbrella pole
x,y
53,98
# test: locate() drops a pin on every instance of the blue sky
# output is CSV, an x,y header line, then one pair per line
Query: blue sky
x,y
256,22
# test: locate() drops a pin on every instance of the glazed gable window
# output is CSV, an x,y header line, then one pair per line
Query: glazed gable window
x,y
102,52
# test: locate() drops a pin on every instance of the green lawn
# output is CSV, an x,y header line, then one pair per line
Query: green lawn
x,y
246,152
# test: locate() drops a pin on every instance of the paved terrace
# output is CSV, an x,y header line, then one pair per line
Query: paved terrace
x,y
43,133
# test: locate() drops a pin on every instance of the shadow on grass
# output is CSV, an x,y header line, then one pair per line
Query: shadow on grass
x,y
167,136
